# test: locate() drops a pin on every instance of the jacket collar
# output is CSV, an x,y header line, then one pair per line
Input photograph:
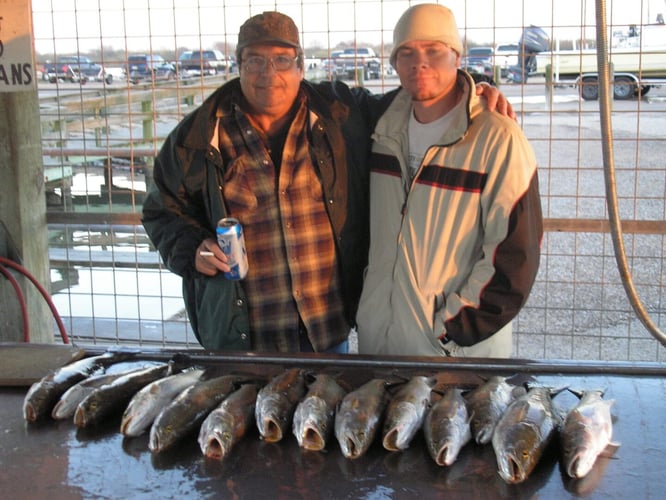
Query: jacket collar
x,y
227,99
393,123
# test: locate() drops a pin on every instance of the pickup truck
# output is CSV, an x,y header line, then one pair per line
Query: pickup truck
x,y
75,69
638,59
349,61
206,62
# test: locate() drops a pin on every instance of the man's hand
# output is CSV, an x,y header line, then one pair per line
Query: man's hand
x,y
495,99
209,258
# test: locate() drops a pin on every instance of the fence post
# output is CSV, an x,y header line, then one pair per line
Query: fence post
x,y
147,112
549,87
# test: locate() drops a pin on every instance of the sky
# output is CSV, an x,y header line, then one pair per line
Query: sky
x,y
139,25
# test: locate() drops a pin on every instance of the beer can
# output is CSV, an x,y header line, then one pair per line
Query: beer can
x,y
232,242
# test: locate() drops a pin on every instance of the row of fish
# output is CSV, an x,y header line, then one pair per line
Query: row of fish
x,y
170,401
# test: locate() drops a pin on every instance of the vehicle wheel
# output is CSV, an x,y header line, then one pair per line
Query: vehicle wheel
x,y
624,88
589,89
642,90
171,76
53,80
108,79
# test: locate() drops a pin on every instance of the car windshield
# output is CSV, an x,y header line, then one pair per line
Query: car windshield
x,y
480,52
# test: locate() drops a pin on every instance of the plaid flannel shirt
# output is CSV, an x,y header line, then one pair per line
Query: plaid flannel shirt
x,y
293,271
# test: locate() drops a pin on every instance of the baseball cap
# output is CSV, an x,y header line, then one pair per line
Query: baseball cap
x,y
271,27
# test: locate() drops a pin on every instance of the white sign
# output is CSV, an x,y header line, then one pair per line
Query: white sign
x,y
17,67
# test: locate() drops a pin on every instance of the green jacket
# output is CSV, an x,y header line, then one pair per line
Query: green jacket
x,y
184,203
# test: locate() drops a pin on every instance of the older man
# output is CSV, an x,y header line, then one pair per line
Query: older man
x,y
455,214
288,160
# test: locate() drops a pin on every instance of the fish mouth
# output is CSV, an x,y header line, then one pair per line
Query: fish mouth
x,y
350,447
214,449
272,432
578,465
312,439
128,427
443,456
29,412
572,469
154,442
391,440
79,418
484,435
124,426
512,472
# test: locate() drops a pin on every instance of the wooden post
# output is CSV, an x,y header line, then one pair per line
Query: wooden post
x,y
23,238
497,75
549,87
23,212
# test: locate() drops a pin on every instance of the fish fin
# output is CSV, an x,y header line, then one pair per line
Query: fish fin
x,y
610,450
521,406
310,376
518,391
554,391
576,392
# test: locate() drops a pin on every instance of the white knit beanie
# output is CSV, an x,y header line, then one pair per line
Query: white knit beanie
x,y
426,22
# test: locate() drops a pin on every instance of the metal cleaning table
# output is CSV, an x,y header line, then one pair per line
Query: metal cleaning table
x,y
52,459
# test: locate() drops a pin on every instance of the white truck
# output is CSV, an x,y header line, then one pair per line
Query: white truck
x,y
638,61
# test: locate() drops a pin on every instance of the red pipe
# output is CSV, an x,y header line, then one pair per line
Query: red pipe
x,y
42,290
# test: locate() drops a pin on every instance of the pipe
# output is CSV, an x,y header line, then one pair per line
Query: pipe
x,y
609,174
21,299
42,290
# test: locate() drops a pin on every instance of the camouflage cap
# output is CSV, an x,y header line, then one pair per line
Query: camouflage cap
x,y
271,28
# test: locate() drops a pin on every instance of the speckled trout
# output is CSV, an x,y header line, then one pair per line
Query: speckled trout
x,y
523,433
115,395
228,423
359,416
276,403
587,433
315,414
446,427
487,403
186,412
405,412
45,393
146,404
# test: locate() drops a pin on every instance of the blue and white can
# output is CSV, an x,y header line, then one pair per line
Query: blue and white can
x,y
232,242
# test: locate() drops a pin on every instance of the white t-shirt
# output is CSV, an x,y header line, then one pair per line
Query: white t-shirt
x,y
424,135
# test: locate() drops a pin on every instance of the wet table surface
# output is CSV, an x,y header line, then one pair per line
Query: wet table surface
x,y
50,459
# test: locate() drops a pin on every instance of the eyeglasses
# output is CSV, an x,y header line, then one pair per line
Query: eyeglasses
x,y
258,64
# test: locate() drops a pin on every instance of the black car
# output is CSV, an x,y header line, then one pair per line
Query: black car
x,y
150,67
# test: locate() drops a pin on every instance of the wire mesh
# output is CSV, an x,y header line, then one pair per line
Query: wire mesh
x,y
101,129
